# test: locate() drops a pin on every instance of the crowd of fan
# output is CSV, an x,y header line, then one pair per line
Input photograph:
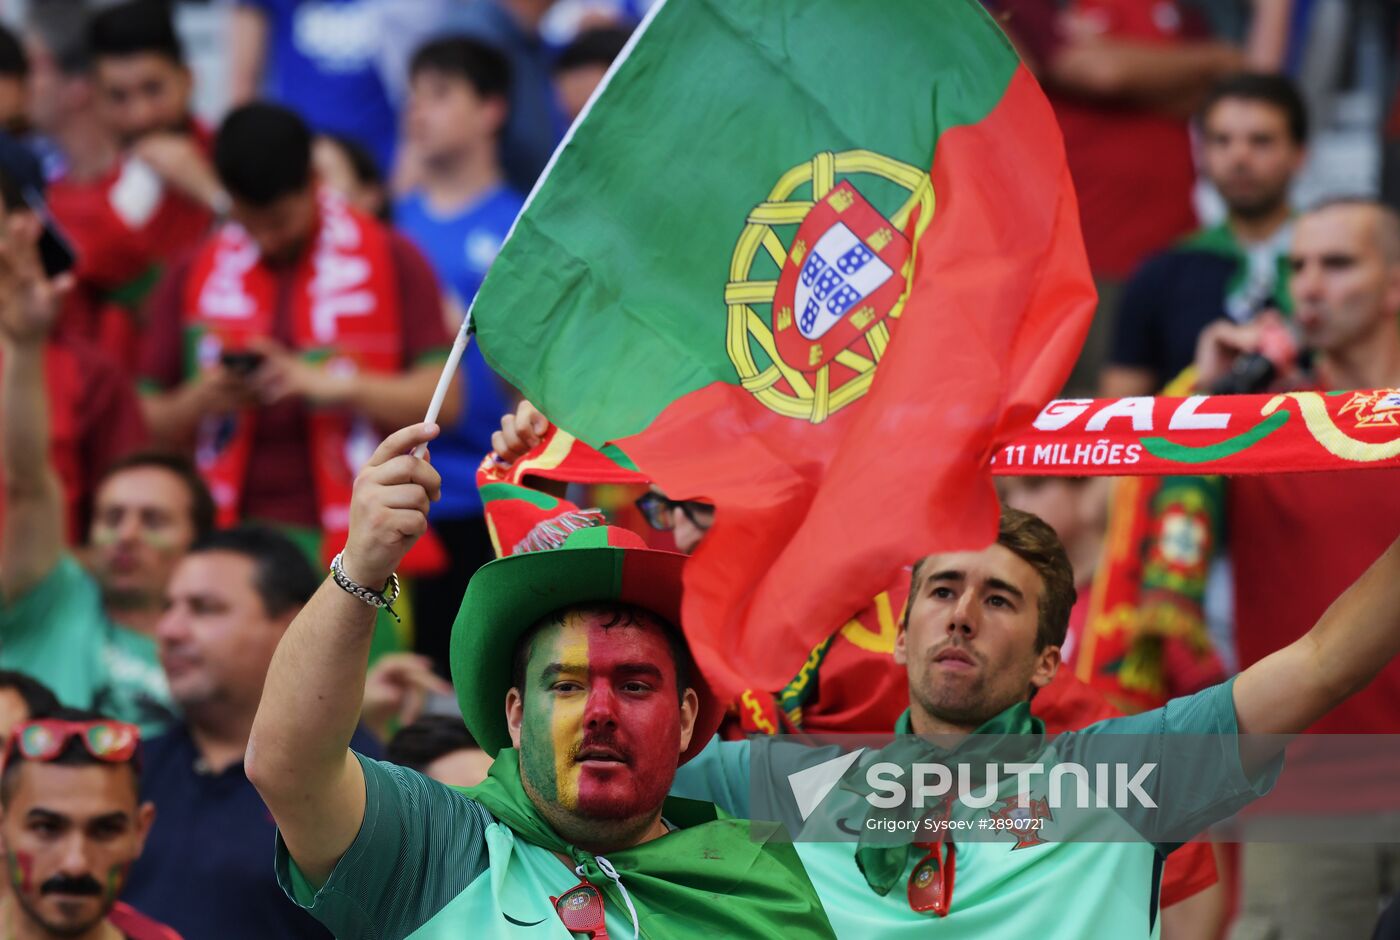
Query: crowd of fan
x,y
178,470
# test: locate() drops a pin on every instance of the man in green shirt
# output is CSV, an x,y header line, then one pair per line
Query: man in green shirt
x,y
569,670
981,633
87,635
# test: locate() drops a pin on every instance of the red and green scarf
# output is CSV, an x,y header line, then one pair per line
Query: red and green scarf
x,y
345,312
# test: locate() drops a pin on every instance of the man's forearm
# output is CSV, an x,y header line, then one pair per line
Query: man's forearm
x,y
1356,638
172,416
395,400
1359,634
24,402
298,754
33,534
1141,72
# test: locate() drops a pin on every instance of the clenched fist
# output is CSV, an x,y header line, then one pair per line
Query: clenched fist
x,y
389,509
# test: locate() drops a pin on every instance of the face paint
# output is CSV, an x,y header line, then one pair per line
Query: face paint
x,y
21,871
552,724
116,879
601,726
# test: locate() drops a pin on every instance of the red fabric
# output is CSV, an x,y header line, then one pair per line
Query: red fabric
x,y
860,688
280,487
341,301
1000,298
113,258
94,419
1301,540
137,926
1132,167
1067,704
1296,431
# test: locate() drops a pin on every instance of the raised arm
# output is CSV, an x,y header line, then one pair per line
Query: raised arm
x,y
299,753
33,532
1356,638
247,53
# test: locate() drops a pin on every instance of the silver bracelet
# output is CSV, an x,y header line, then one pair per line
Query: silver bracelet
x,y
383,600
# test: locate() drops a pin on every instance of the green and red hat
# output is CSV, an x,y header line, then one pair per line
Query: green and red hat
x,y
506,597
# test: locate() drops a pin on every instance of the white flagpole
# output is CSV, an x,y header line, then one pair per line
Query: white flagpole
x,y
449,369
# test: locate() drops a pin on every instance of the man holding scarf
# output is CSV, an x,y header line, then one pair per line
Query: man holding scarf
x,y
980,636
290,336
569,669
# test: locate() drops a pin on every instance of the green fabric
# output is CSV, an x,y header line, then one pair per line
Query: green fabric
x,y
1063,887
430,861
1012,735
728,877
59,633
419,846
606,304
132,294
492,491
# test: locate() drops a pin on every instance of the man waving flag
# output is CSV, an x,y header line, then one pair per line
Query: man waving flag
x,y
809,260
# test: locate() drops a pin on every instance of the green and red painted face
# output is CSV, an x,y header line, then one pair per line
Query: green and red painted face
x,y
600,733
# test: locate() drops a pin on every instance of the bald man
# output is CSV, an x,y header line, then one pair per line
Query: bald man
x,y
1315,533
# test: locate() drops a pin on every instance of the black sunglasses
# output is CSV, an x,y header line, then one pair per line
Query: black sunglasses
x,y
659,511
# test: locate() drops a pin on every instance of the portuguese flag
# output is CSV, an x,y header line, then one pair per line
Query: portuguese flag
x,y
810,260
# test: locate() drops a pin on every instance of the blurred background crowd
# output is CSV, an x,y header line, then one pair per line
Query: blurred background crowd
x,y
182,415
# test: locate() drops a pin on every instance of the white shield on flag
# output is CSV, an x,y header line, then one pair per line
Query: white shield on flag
x,y
839,272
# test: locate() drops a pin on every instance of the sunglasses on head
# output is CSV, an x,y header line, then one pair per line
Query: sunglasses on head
x,y
660,511
45,738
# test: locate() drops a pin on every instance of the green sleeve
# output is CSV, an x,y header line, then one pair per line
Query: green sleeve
x,y
421,844
1199,779
720,775
53,630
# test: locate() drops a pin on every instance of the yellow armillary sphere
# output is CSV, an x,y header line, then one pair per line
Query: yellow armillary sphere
x,y
842,275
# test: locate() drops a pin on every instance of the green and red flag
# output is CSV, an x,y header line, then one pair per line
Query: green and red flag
x,y
521,516
810,260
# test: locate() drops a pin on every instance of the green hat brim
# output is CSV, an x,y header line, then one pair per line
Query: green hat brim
x,y
509,595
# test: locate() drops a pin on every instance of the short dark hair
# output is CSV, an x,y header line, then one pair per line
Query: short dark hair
x,y
619,615
38,698
74,753
134,28
482,66
262,153
62,26
598,46
1269,88
1031,539
13,62
430,737
282,574
362,162
202,509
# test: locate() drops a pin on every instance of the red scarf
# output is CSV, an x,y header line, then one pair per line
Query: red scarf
x,y
345,310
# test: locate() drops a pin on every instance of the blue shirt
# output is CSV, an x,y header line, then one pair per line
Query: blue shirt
x,y
461,247
1178,292
207,869
536,122
322,62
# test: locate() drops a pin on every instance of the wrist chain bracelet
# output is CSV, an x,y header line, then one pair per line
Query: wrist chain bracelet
x,y
384,600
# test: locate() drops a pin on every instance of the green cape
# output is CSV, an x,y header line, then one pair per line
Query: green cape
x,y
712,876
